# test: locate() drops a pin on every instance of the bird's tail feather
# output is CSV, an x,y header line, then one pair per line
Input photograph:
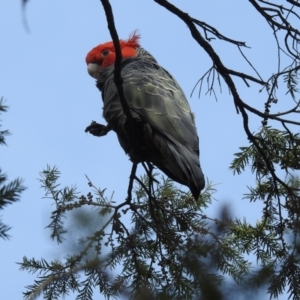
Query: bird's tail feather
x,y
180,164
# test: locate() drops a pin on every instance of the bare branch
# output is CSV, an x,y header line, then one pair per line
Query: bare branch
x,y
206,27
296,3
117,72
225,73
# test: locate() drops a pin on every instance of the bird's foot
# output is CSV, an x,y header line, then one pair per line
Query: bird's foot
x,y
97,129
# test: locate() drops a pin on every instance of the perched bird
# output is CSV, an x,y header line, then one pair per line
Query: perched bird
x,y
162,130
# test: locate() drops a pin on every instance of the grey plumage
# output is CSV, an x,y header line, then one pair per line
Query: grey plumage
x,y
164,129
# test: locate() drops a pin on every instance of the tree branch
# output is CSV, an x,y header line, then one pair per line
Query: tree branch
x,y
224,72
293,2
117,72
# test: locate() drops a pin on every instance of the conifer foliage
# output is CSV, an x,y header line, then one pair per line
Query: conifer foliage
x,y
158,243
9,191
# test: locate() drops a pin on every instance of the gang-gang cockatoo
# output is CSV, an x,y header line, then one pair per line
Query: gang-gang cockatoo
x,y
163,130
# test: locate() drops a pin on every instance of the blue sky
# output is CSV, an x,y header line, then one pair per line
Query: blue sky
x,y
52,99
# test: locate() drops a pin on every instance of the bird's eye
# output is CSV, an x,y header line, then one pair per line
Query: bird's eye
x,y
105,53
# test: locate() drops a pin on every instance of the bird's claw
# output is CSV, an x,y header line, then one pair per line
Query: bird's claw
x,y
97,129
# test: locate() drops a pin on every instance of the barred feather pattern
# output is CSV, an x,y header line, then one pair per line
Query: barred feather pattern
x,y
164,130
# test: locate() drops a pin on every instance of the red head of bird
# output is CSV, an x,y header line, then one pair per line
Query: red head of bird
x,y
103,56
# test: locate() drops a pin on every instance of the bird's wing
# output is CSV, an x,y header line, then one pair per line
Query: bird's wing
x,y
156,99
154,95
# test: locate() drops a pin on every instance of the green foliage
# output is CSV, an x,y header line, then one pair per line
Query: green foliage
x,y
280,148
3,133
63,199
9,192
291,80
274,239
170,251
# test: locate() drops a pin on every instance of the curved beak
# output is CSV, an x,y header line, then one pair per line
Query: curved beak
x,y
93,69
